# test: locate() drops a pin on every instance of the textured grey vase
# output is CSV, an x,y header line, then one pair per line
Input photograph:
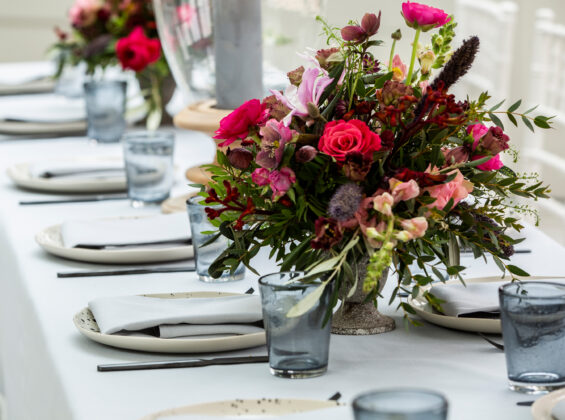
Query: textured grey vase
x,y
357,318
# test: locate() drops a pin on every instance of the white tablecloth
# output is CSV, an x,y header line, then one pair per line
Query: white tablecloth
x,y
49,369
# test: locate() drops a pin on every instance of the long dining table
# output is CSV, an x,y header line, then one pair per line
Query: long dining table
x,y
49,369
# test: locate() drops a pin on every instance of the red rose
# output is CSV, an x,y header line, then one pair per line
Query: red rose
x,y
341,137
236,125
136,51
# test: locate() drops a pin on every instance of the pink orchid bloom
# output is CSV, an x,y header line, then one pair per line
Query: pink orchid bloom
x,y
281,181
314,82
403,191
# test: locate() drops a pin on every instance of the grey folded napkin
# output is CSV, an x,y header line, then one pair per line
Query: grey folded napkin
x,y
148,231
472,298
179,317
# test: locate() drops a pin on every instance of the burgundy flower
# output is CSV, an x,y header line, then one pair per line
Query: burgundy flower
x,y
240,157
494,141
328,233
305,154
356,166
359,33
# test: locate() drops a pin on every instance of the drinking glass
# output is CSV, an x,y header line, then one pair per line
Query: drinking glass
x,y
105,109
206,254
533,329
148,159
400,404
298,347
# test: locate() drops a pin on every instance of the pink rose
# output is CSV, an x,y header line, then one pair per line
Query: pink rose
x,y
281,181
136,51
260,176
477,131
422,16
341,137
403,191
236,125
493,164
456,189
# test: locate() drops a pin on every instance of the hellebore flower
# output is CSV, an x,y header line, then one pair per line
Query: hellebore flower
x,y
274,137
358,33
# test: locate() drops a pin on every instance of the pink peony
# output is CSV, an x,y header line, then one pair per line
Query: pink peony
x,y
456,189
260,176
314,82
423,16
493,164
403,191
236,125
281,181
343,137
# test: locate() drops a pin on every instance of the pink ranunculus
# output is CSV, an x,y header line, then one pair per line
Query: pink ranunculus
x,y
456,189
423,16
403,191
236,125
136,51
399,69
477,131
416,227
260,176
84,12
342,137
281,181
383,204
314,82
493,164
275,135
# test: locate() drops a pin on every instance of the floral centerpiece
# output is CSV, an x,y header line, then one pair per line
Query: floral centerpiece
x,y
361,160
111,32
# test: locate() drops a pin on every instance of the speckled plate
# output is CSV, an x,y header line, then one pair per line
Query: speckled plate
x,y
87,326
264,407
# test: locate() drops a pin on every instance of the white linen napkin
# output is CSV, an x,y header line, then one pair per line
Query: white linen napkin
x,y
474,297
558,410
122,231
78,169
134,313
44,108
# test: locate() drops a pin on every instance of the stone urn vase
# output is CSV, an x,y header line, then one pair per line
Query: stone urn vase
x,y
358,317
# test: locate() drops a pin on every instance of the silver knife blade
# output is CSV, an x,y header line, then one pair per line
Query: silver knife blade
x,y
171,364
126,271
76,199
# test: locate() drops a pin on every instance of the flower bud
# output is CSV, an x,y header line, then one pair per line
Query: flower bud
x,y
426,58
240,158
371,23
396,35
313,110
305,154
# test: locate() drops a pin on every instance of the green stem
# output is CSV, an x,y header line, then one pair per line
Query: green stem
x,y
391,55
413,58
155,105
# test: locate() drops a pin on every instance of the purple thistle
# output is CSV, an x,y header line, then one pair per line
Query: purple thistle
x,y
345,202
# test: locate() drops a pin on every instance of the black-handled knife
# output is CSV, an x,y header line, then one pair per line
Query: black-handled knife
x,y
122,272
76,199
173,364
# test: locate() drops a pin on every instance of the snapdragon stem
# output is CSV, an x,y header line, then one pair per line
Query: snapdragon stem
x,y
413,58
391,55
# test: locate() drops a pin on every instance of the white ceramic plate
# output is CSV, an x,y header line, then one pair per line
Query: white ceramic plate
x,y
51,241
46,84
542,408
36,128
87,326
425,311
264,407
176,204
21,176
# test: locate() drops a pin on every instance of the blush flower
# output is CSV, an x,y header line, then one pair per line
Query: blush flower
x,y
403,191
314,82
136,51
415,227
274,137
281,181
383,204
341,137
456,189
423,16
84,12
236,125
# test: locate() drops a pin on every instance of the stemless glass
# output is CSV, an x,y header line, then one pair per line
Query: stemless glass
x,y
105,109
533,329
148,159
400,404
206,254
298,347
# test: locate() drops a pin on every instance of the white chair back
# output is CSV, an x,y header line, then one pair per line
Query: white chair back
x,y
494,23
